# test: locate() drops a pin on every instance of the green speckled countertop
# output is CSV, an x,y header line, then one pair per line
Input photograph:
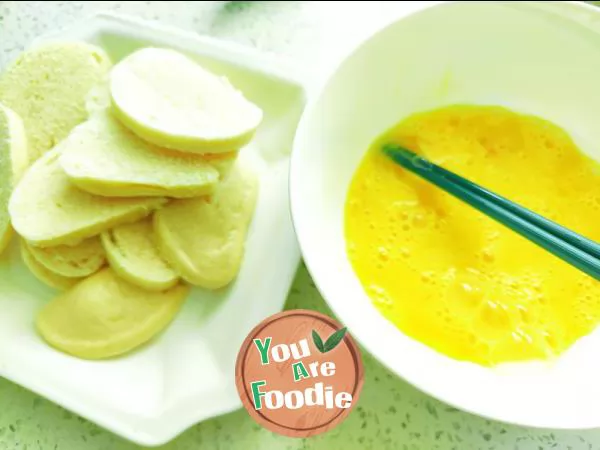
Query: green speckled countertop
x,y
390,414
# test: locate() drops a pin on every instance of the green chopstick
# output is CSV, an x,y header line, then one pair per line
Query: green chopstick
x,y
567,245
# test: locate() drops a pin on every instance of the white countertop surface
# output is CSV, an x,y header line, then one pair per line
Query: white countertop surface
x,y
390,414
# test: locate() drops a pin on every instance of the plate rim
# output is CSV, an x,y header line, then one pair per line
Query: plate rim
x,y
261,63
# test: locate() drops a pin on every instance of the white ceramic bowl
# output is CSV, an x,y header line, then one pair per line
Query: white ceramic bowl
x,y
534,57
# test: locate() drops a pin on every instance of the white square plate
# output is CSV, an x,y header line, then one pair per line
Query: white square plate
x,y
187,374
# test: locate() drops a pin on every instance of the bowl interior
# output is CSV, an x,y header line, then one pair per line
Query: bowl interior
x,y
514,54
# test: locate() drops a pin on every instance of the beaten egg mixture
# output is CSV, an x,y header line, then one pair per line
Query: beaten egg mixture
x,y
454,279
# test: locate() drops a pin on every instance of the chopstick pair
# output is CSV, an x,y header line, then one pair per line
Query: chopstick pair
x,y
571,247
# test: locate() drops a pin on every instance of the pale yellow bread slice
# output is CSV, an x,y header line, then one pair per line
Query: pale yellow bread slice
x,y
13,162
103,157
98,99
14,137
223,162
105,316
48,85
46,276
203,239
132,253
172,101
79,260
47,210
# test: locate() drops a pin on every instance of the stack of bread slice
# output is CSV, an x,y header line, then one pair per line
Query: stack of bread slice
x,y
124,206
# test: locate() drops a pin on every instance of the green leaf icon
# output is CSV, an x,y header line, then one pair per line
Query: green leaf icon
x,y
318,341
331,343
334,340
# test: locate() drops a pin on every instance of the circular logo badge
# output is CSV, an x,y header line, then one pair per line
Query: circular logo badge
x,y
299,373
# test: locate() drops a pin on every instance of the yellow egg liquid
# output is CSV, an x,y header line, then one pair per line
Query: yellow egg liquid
x,y
454,279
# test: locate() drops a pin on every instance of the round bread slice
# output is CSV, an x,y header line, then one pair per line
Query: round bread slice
x,y
104,316
46,276
47,210
223,162
13,162
132,254
170,100
13,139
48,85
203,239
103,157
79,260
